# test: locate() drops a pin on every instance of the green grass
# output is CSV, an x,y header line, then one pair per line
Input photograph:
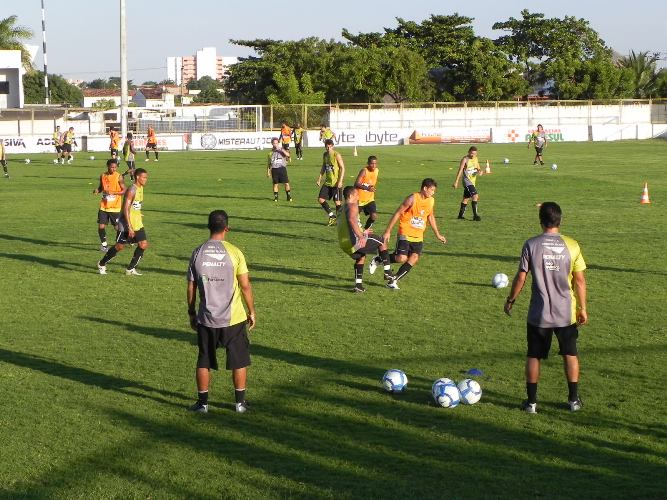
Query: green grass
x,y
96,372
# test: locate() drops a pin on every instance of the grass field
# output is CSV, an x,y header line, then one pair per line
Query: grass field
x,y
96,372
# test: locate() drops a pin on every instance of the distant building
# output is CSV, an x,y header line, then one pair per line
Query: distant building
x,y
153,97
11,79
91,96
182,69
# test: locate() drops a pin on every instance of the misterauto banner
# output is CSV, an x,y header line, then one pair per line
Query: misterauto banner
x,y
232,140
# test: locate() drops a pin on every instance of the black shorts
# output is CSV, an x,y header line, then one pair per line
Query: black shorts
x,y
123,236
285,146
114,152
59,148
469,191
330,193
405,247
279,175
66,148
369,208
130,164
151,145
538,151
233,338
104,217
539,340
373,244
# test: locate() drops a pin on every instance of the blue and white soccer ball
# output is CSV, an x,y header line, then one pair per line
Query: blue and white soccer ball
x,y
500,280
470,391
554,166
394,380
445,393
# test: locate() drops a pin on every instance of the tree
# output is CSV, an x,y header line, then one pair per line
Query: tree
x,y
104,104
661,83
12,37
149,83
61,92
596,78
643,68
99,83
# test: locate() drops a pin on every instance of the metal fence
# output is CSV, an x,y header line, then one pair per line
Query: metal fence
x,y
238,118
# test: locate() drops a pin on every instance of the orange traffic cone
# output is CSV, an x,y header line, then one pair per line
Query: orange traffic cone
x,y
355,151
488,168
645,199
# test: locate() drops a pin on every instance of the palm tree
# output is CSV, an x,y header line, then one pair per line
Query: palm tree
x,y
644,72
12,37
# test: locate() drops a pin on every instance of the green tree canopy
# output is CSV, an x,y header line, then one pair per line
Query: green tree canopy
x,y
12,38
642,67
61,92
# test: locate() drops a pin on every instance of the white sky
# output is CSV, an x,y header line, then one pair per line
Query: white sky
x,y
82,35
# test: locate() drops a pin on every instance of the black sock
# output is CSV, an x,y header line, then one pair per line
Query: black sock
x,y
4,165
531,391
369,223
403,270
275,196
103,234
202,397
157,155
289,195
384,257
326,208
392,258
111,253
147,155
474,208
462,210
138,254
572,390
239,395
358,274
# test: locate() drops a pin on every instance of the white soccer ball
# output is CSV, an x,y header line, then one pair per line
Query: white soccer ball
x,y
506,161
394,380
554,166
445,393
92,157
470,391
27,160
55,161
500,280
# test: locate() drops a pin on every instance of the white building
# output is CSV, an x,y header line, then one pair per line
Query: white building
x,y
11,79
182,69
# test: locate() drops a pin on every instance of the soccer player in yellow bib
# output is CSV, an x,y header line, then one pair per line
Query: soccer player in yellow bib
x,y
357,243
327,133
413,214
67,140
469,169
112,188
129,156
298,133
366,181
56,137
3,159
333,172
130,226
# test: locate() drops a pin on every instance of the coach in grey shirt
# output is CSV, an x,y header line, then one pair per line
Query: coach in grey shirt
x,y
557,302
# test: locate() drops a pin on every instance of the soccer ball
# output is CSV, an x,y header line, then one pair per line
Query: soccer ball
x,y
470,391
27,160
445,393
92,157
554,166
500,280
55,161
394,380
506,161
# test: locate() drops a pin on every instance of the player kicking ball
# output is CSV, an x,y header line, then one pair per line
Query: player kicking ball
x,y
357,242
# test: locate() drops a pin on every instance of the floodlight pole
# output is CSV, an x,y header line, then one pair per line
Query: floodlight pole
x,y
46,74
123,70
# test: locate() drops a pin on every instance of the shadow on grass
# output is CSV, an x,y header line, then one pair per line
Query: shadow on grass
x,y
596,267
47,243
233,217
53,263
237,229
88,377
216,196
159,333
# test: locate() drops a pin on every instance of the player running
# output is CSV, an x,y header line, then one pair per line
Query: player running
x,y
469,168
3,158
413,214
67,140
326,133
539,138
333,172
357,243
130,226
57,142
128,156
112,188
365,183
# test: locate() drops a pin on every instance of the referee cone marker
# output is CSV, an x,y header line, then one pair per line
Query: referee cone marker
x,y
645,199
355,151
488,168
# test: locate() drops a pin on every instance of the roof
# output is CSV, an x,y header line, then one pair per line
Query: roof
x,y
101,92
151,92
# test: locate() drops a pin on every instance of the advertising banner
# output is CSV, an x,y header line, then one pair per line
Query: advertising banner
x,y
33,144
232,140
554,134
361,137
450,136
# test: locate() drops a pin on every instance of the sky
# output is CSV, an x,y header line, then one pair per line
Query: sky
x,y
83,35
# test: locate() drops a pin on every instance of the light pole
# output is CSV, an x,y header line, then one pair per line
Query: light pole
x,y
123,70
46,74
